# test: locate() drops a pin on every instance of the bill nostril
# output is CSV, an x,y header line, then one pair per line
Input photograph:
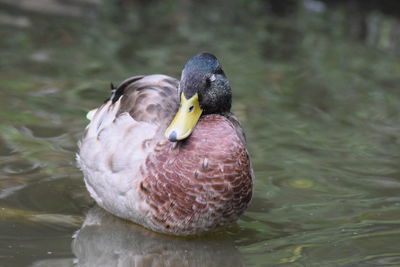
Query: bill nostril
x,y
172,136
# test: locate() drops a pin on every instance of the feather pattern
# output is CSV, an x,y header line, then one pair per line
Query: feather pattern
x,y
184,188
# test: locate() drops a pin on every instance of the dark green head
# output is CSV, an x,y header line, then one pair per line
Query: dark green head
x,y
203,75
203,89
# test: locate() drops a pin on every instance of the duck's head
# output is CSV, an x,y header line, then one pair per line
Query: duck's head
x,y
203,89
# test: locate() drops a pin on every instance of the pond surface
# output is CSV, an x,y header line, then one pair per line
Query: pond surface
x,y
315,86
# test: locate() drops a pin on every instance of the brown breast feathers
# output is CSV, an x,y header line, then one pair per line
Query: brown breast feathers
x,y
198,184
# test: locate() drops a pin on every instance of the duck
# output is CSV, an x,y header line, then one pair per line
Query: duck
x,y
169,154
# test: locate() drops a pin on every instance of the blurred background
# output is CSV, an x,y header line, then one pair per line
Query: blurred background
x,y
316,87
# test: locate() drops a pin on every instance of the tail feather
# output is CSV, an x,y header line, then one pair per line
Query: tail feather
x,y
101,117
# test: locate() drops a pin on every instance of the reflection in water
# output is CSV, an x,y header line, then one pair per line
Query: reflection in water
x,y
105,240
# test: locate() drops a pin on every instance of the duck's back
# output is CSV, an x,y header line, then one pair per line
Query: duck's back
x,y
120,135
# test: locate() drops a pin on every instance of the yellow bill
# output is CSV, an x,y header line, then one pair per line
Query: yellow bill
x,y
185,119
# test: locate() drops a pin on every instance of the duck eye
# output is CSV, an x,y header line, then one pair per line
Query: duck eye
x,y
191,108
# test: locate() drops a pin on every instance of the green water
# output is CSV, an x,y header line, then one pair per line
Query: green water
x,y
320,106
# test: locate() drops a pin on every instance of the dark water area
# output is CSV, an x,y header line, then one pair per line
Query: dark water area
x,y
316,87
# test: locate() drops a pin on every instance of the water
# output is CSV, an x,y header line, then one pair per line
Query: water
x,y
315,86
